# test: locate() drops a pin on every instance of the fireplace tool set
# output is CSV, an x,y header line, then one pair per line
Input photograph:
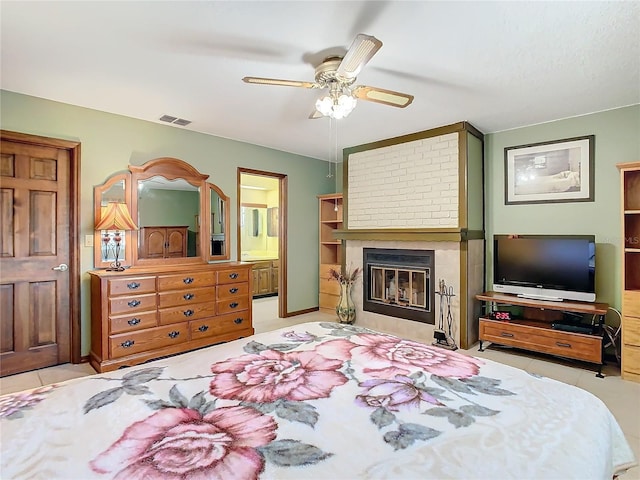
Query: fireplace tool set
x,y
445,339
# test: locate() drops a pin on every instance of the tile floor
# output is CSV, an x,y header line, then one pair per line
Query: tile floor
x,y
620,396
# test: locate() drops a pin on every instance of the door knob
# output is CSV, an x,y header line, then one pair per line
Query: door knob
x,y
63,267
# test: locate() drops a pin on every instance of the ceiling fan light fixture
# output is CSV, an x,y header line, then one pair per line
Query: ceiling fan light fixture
x,y
336,104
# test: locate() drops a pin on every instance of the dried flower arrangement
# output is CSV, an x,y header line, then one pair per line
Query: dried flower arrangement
x,y
347,278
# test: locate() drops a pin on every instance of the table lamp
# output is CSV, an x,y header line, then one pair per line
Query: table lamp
x,y
115,217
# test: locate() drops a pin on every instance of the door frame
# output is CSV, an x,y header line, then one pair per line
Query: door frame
x,y
73,148
282,231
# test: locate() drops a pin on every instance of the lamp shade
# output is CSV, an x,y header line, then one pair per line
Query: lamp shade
x,y
116,217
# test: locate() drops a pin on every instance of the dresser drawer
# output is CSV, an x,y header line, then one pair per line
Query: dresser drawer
x,y
185,280
232,305
631,303
187,296
126,323
232,290
233,275
186,312
630,330
571,345
144,340
131,286
137,303
218,325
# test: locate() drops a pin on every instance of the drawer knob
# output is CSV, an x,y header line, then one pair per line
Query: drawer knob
x,y
203,328
187,313
134,321
134,303
506,334
233,304
173,334
133,285
238,321
127,343
188,296
188,280
233,275
566,345
233,290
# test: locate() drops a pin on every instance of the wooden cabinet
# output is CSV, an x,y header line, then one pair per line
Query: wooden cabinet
x,y
532,329
148,312
265,278
331,250
630,202
162,242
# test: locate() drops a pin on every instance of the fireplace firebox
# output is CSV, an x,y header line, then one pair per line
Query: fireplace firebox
x,y
399,283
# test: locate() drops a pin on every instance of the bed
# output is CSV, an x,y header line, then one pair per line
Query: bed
x,y
317,400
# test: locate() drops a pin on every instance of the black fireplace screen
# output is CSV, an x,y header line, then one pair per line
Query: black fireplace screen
x,y
399,283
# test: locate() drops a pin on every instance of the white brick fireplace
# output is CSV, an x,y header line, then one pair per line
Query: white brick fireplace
x,y
413,193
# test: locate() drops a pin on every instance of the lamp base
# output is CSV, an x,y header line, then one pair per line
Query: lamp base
x,y
115,269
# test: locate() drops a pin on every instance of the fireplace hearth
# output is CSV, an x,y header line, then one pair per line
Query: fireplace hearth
x,y
399,283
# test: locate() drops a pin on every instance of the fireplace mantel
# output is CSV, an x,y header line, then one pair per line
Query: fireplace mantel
x,y
410,234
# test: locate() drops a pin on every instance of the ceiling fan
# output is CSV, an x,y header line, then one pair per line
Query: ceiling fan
x,y
338,74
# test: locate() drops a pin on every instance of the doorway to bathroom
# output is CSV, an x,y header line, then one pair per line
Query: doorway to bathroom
x,y
261,234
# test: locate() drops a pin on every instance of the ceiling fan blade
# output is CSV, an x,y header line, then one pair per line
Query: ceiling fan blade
x,y
276,81
363,48
380,95
315,114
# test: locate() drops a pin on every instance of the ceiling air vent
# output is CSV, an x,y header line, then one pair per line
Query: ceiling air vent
x,y
175,120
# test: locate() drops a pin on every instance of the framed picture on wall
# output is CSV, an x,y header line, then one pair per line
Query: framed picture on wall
x,y
550,172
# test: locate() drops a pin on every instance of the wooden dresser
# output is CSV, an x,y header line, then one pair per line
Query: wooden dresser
x,y
149,312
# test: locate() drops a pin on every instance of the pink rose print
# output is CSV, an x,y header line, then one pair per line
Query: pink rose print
x,y
274,375
299,337
388,356
179,443
393,394
14,404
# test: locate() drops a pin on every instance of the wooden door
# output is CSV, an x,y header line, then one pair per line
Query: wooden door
x,y
153,242
176,245
37,239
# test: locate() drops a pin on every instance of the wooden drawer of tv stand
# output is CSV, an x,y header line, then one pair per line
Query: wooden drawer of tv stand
x,y
542,339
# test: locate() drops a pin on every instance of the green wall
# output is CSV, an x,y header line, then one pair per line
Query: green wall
x,y
109,143
617,140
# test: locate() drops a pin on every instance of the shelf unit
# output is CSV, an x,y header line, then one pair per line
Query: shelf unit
x,y
630,202
330,249
531,329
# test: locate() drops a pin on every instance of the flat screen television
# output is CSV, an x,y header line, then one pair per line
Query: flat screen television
x,y
546,267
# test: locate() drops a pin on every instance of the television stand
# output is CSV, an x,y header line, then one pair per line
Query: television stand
x,y
532,327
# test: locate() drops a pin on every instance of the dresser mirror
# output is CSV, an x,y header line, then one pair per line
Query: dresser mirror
x,y
168,218
115,189
219,224
181,218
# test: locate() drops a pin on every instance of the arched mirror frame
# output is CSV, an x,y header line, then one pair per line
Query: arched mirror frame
x,y
171,169
129,242
226,248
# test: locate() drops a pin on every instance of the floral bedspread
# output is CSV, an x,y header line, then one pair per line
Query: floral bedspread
x,y
318,400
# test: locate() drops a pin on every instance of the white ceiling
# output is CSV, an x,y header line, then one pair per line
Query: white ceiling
x,y
498,65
